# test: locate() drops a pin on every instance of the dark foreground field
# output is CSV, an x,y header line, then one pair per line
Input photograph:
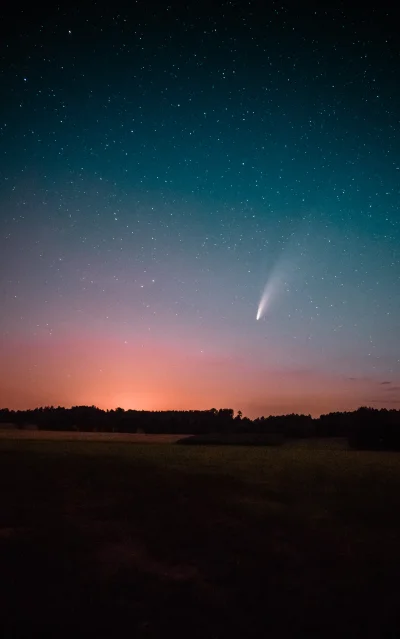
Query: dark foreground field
x,y
114,539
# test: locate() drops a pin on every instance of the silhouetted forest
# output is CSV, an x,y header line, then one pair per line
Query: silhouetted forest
x,y
365,428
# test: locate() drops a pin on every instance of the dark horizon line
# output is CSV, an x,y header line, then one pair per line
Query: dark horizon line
x,y
238,415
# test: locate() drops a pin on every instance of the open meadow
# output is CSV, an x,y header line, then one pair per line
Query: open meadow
x,y
110,538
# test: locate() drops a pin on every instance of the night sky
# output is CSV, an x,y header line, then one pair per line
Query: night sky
x,y
168,174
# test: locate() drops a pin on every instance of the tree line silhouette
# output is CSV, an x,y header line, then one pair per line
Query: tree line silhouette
x,y
365,428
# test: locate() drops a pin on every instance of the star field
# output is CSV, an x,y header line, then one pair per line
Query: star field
x,y
158,165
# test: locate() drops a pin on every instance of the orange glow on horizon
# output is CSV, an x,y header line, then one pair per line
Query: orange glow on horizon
x,y
163,376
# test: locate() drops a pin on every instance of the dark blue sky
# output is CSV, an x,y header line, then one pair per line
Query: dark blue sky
x,y
159,166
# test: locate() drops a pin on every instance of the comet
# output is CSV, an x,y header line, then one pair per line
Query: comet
x,y
270,290
262,307
276,284
287,267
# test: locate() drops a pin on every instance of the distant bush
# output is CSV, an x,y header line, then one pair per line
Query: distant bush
x,y
374,429
293,426
234,439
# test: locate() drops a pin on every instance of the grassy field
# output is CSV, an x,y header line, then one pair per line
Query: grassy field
x,y
115,539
